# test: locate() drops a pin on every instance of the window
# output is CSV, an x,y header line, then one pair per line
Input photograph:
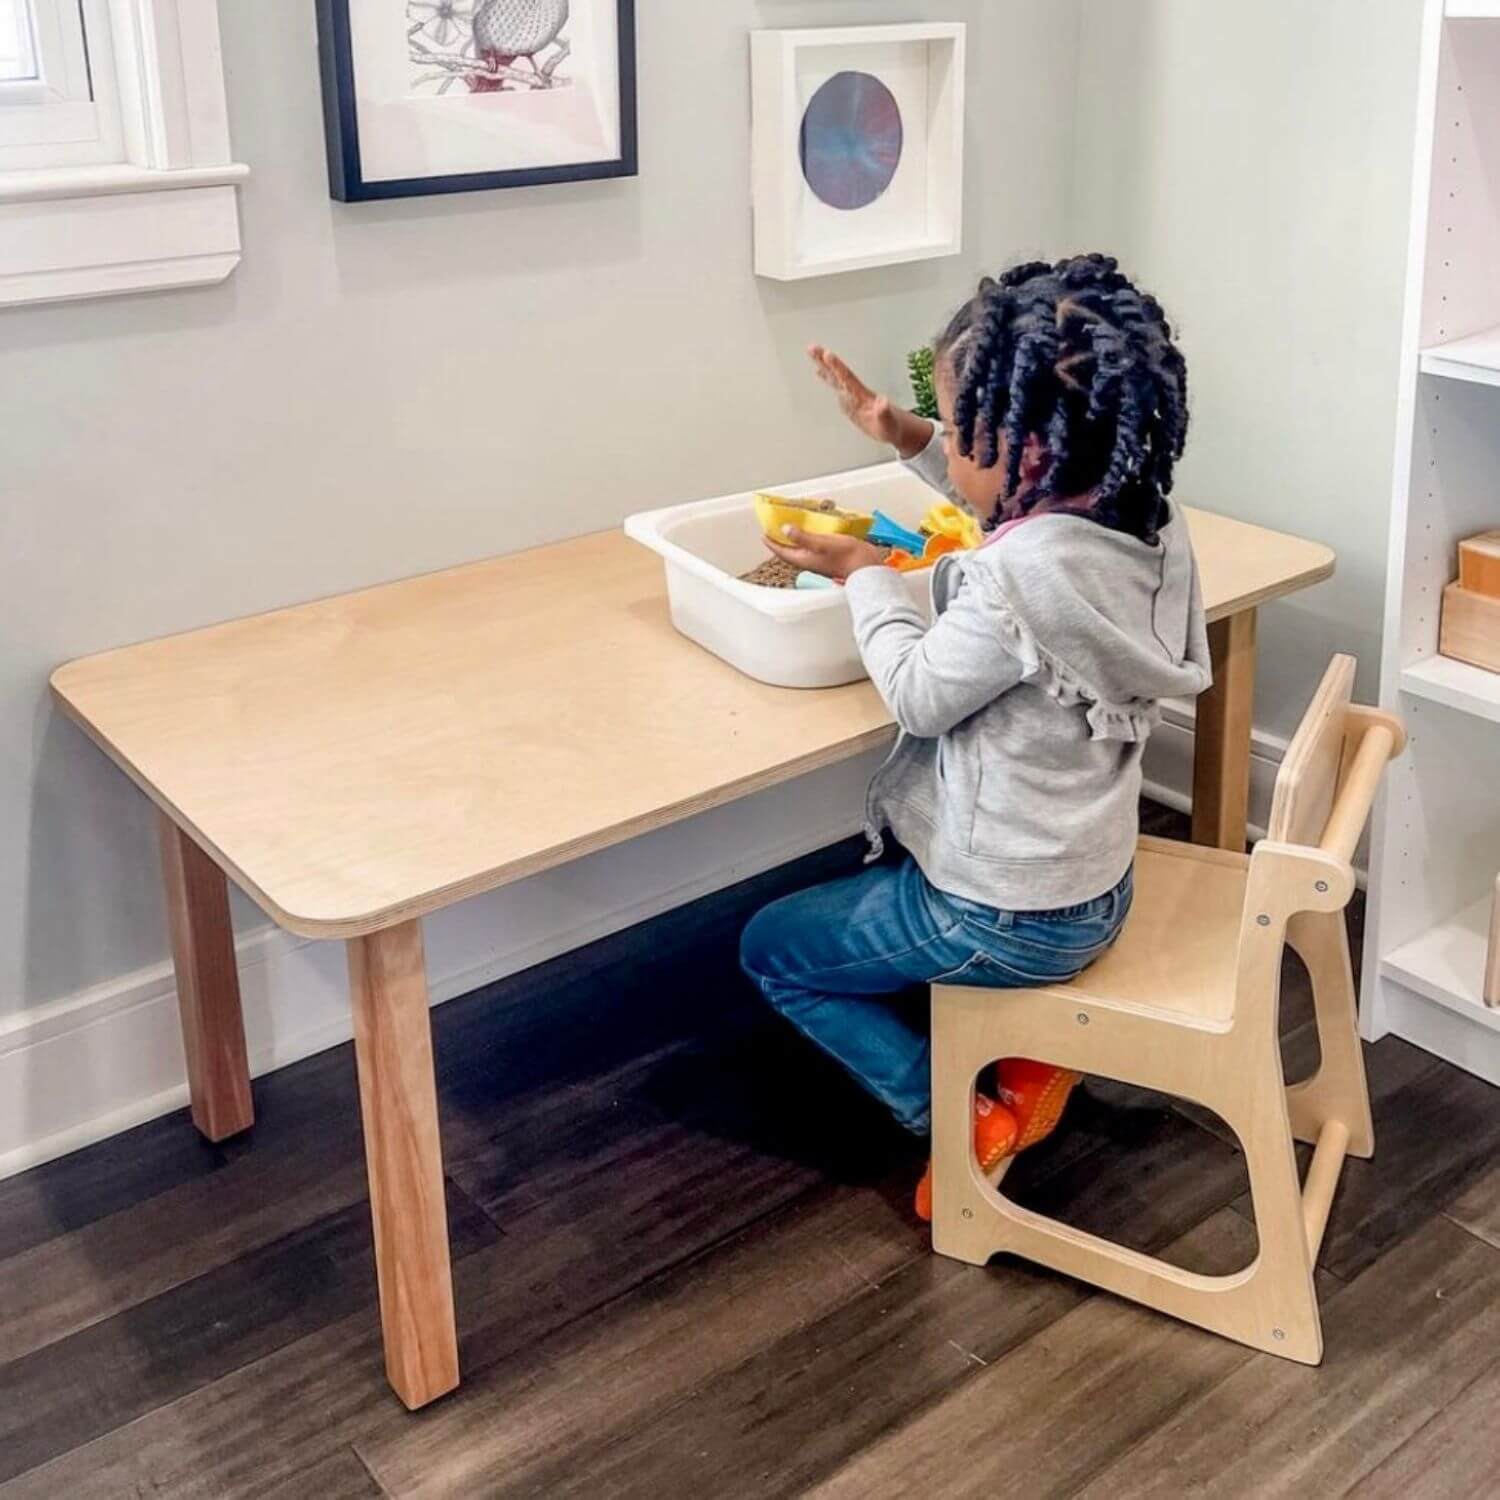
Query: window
x,y
115,171
59,102
17,59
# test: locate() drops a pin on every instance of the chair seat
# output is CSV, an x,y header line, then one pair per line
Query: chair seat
x,y
1176,958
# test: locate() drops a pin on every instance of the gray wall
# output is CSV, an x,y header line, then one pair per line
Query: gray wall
x,y
384,389
1252,163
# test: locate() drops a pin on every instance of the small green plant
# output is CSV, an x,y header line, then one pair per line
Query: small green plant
x,y
921,363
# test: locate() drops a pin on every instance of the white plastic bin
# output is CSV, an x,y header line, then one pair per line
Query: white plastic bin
x,y
785,637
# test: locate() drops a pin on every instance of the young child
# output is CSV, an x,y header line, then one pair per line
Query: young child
x,y
1025,708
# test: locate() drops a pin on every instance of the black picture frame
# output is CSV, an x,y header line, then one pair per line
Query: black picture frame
x,y
346,181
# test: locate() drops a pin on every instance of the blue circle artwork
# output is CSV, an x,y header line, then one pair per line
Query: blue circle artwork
x,y
852,137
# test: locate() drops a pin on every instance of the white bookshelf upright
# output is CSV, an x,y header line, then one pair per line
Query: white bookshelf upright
x,y
1436,848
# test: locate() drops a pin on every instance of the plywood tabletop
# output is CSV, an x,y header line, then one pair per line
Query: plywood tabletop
x,y
1243,566
363,760
375,756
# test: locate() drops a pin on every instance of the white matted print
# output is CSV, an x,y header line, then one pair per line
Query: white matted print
x,y
858,146
446,95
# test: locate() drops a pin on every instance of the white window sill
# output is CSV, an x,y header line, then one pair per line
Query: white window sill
x,y
97,182
97,231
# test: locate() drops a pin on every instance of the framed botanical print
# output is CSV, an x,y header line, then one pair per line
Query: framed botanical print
x,y
452,96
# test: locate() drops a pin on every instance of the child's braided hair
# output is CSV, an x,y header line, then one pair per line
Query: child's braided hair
x,y
1076,354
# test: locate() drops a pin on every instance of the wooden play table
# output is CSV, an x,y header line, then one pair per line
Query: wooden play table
x,y
357,763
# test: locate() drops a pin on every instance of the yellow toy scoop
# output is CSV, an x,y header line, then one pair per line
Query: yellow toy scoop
x,y
820,517
948,520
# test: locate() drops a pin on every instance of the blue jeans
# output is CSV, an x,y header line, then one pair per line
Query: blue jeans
x,y
836,959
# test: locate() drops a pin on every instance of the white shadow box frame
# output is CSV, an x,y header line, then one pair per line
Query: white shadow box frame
x,y
920,215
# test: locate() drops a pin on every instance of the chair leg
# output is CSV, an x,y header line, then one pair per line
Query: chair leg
x,y
963,1222
1338,1090
1281,1300
1270,1305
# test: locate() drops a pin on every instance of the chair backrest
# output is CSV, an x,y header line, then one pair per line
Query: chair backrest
x,y
1333,767
1309,774
1324,792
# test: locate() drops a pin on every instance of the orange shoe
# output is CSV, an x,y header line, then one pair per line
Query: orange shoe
x,y
1033,1096
995,1134
1036,1094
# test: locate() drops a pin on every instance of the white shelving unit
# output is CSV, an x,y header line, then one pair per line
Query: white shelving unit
x,y
1445,962
1475,358
1470,690
1436,847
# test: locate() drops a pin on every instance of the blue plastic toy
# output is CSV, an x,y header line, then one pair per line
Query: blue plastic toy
x,y
888,533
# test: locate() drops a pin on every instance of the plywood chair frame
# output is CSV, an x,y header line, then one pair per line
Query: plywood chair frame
x,y
1224,1057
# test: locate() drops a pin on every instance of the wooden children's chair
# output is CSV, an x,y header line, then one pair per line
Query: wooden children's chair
x,y
1186,1003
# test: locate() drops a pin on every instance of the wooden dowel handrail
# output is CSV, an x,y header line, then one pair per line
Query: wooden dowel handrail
x,y
1351,809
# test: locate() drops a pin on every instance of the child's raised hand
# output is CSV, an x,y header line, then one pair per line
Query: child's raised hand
x,y
832,556
873,415
876,416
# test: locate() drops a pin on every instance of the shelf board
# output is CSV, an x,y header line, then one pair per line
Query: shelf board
x,y
1455,684
1464,10
1475,358
1446,964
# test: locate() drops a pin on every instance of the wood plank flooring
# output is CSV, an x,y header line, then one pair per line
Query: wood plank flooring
x,y
685,1263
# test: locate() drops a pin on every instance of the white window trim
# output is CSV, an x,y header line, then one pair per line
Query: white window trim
x,y
57,119
165,217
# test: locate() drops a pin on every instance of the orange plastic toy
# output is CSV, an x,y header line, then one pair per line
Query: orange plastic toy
x,y
937,546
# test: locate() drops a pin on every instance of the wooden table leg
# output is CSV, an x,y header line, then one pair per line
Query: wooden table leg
x,y
208,986
398,1101
1221,753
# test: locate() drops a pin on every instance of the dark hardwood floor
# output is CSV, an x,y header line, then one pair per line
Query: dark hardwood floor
x,y
686,1265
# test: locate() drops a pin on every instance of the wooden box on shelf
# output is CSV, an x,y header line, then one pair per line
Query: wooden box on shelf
x,y
1471,627
1479,564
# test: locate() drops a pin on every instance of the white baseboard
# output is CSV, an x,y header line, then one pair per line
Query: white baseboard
x,y
1169,765
91,1064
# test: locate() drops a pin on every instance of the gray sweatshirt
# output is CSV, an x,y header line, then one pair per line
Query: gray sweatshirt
x,y
1025,708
